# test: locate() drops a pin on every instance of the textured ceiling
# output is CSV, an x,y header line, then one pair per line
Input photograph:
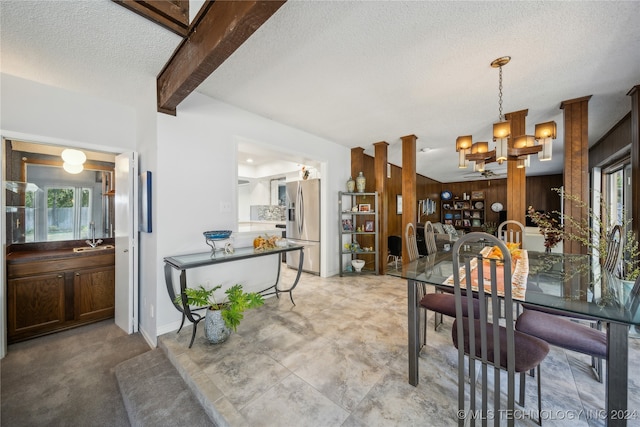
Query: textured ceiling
x,y
361,72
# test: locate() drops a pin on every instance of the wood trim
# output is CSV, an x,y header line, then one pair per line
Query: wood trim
x,y
223,28
380,166
172,15
408,187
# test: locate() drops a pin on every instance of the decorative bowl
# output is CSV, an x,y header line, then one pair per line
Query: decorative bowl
x,y
217,234
357,264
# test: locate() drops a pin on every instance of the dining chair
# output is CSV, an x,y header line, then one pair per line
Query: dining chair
x,y
613,249
484,339
562,331
430,238
394,243
514,232
509,235
412,244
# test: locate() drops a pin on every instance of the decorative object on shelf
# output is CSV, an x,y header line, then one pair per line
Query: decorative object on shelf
x,y
520,147
368,225
221,318
477,195
497,207
305,173
347,225
364,207
351,185
361,181
446,195
478,205
212,236
357,264
228,249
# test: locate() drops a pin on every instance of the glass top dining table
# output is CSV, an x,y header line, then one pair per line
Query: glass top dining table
x,y
563,282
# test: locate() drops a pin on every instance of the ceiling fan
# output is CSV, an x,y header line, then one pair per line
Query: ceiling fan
x,y
487,174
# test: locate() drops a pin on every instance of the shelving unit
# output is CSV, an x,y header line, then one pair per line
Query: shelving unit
x,y
358,225
465,213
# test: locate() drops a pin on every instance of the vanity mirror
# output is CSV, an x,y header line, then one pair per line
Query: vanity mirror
x,y
45,202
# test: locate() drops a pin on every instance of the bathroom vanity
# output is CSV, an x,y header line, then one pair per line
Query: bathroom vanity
x,y
51,287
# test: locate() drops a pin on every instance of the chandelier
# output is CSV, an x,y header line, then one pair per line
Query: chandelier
x,y
520,148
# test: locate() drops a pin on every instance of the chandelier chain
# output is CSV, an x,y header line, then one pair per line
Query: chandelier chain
x,y
500,95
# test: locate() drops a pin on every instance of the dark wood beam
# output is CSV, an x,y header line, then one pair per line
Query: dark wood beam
x,y
221,29
170,14
380,162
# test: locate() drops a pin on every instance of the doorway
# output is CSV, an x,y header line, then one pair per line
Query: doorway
x,y
75,206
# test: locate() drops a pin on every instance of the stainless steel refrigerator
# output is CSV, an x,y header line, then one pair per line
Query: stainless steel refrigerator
x,y
303,223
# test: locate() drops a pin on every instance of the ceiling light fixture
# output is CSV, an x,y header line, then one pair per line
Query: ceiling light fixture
x,y
73,157
71,168
73,160
521,147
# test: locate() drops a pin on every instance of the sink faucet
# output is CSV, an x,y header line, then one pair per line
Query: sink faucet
x,y
93,242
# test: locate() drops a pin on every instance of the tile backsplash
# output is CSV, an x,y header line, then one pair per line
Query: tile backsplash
x,y
267,213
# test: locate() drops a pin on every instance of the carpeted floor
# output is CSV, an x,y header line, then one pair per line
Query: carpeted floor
x,y
67,379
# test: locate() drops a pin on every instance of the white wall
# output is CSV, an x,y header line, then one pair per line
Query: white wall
x,y
197,154
35,112
193,160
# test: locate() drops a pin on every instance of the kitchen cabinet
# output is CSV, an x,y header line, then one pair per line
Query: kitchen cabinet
x,y
55,290
358,213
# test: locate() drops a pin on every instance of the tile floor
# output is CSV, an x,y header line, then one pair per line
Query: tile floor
x,y
339,358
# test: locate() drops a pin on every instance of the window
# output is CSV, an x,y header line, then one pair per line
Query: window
x,y
68,213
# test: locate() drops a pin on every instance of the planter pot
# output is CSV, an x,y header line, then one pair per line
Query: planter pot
x,y
215,329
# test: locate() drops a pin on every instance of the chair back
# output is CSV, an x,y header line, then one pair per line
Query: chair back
x,y
633,301
613,250
412,243
514,232
430,238
477,338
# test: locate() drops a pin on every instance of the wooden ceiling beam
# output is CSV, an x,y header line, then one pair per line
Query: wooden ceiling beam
x,y
170,14
221,28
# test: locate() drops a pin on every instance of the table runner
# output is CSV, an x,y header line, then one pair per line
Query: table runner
x,y
519,274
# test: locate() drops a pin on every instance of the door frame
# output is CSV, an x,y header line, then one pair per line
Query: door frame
x,y
134,295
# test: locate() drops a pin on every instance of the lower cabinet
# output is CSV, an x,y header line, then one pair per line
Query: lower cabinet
x,y
35,304
40,301
94,293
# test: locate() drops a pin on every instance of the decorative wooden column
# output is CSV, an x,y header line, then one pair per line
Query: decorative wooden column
x,y
516,178
380,165
635,159
357,161
576,163
408,186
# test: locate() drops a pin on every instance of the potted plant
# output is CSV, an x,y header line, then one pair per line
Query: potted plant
x,y
222,317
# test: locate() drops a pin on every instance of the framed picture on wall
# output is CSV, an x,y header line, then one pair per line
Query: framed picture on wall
x,y
368,225
144,203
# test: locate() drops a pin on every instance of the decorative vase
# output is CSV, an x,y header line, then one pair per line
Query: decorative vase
x,y
215,329
361,182
351,185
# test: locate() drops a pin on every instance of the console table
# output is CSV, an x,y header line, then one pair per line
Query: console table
x,y
183,263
